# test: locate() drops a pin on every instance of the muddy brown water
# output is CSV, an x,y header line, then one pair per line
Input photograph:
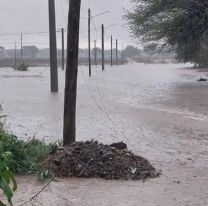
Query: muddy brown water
x,y
159,110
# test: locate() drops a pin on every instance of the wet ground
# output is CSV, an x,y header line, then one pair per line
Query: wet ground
x,y
159,110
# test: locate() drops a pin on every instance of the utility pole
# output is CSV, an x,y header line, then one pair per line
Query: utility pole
x,y
53,48
63,52
89,46
21,50
95,50
103,49
69,133
122,55
116,51
111,50
15,55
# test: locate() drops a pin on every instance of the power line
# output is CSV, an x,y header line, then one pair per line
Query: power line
x,y
25,33
62,11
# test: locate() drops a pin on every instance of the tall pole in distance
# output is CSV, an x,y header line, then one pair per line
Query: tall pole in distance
x,y
111,50
122,55
95,50
103,57
116,51
69,134
53,48
63,52
89,37
21,50
15,55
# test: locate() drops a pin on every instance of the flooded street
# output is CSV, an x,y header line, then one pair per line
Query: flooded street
x,y
159,110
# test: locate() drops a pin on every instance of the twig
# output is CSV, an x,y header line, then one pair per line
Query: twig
x,y
38,193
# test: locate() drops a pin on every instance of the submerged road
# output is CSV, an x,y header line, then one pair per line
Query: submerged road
x,y
160,110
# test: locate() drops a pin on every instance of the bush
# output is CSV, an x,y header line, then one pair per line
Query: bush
x,y
22,67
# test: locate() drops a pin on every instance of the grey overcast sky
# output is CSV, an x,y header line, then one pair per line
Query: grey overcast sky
x,y
18,16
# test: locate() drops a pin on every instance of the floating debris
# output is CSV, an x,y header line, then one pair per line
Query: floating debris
x,y
92,159
202,79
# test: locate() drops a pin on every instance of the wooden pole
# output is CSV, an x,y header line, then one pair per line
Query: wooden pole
x,y
69,133
63,52
89,39
122,55
15,55
111,50
53,47
95,50
103,49
116,51
21,50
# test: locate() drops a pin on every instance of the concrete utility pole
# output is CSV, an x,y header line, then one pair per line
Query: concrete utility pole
x,y
89,39
63,52
53,48
116,51
95,50
111,50
103,49
69,133
15,55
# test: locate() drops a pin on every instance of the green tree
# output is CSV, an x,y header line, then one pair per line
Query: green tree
x,y
182,24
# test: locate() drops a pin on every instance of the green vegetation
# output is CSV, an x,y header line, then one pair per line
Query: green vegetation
x,y
20,157
6,176
22,67
181,24
25,154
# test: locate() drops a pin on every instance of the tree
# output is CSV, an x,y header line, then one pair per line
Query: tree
x,y
69,134
183,24
30,51
131,51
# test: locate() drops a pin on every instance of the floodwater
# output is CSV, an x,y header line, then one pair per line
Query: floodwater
x,y
160,110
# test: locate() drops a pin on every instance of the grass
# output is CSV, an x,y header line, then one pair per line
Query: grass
x,y
19,157
26,155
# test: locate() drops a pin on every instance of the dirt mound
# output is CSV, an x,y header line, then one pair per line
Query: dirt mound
x,y
91,159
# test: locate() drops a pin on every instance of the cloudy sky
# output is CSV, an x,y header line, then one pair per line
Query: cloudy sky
x,y
18,16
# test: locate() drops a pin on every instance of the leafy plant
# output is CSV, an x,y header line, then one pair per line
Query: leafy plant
x,y
6,176
26,154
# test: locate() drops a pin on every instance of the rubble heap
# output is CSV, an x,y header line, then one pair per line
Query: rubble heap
x,y
92,159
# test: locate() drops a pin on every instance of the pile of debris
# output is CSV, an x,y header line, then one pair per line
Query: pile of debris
x,y
91,159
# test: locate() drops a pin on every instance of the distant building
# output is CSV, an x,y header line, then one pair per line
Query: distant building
x,y
2,52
